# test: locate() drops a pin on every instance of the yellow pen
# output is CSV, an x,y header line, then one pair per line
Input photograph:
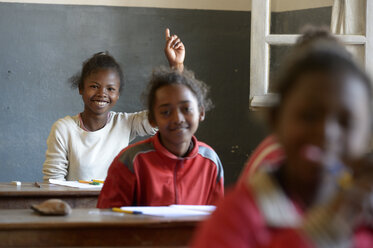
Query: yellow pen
x,y
97,181
83,181
125,211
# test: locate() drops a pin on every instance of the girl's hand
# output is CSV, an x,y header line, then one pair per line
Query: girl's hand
x,y
334,223
355,198
175,51
363,185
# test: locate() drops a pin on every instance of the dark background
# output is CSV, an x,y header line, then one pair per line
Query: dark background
x,y
43,45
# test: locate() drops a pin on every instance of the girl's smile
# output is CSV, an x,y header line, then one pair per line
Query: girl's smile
x,y
100,92
177,115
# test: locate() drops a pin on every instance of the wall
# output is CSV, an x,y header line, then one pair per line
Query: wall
x,y
237,5
43,45
290,5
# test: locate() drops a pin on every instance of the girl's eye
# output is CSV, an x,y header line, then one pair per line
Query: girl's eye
x,y
188,109
165,113
93,86
111,89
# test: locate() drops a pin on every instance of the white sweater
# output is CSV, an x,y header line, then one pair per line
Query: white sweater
x,y
75,154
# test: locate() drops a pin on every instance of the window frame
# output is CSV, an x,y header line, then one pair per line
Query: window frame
x,y
261,40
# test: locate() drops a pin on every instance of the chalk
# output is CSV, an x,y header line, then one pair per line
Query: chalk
x,y
17,183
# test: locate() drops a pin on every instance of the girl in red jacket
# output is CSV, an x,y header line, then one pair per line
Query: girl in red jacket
x,y
323,124
172,167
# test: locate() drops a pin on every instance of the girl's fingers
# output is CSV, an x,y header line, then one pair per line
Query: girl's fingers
x,y
167,33
175,42
169,42
180,46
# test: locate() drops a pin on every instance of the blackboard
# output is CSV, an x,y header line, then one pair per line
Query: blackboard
x,y
43,45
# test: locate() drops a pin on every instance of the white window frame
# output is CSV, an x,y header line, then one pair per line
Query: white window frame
x,y
261,40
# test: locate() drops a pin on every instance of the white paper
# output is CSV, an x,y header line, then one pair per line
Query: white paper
x,y
203,208
75,184
167,211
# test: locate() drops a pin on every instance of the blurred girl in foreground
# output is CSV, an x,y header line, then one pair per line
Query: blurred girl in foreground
x,y
317,195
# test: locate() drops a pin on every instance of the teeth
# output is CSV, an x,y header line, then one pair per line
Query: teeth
x,y
101,104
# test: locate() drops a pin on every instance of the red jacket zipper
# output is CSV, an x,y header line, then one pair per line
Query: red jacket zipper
x,y
175,180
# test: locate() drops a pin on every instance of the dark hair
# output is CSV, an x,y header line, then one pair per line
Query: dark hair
x,y
315,51
163,76
99,61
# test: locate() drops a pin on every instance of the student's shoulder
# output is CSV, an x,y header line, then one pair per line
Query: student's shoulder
x,y
128,155
65,122
205,148
207,152
204,145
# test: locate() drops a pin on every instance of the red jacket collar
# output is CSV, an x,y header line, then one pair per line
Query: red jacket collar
x,y
161,149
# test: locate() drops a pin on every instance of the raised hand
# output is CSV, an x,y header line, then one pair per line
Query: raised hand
x,y
175,51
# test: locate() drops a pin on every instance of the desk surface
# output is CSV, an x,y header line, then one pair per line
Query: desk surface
x,y
23,196
29,189
93,227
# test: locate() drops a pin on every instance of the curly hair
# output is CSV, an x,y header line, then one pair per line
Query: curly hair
x,y
99,61
163,76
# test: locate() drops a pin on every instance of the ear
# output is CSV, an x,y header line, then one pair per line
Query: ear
x,y
80,91
201,113
152,121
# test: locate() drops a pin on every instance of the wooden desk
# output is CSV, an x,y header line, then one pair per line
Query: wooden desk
x,y
23,196
93,227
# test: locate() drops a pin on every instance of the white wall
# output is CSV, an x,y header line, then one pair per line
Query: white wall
x,y
235,5
286,5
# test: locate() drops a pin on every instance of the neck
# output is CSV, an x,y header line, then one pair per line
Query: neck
x,y
94,122
180,150
303,192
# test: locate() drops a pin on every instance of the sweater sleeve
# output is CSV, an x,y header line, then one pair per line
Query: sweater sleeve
x,y
217,192
56,161
119,186
140,125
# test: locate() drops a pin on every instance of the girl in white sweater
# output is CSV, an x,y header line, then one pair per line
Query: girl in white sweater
x,y
83,146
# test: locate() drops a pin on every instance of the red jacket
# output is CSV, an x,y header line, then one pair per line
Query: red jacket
x,y
240,222
147,174
268,152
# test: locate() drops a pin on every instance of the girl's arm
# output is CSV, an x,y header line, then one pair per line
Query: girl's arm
x,y
217,192
56,162
140,125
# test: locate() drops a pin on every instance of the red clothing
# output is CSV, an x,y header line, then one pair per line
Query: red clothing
x,y
240,222
267,152
147,174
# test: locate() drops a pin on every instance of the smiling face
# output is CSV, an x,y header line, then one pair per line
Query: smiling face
x,y
100,92
177,115
324,119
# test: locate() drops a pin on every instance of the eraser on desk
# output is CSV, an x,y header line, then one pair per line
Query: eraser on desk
x,y
17,183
